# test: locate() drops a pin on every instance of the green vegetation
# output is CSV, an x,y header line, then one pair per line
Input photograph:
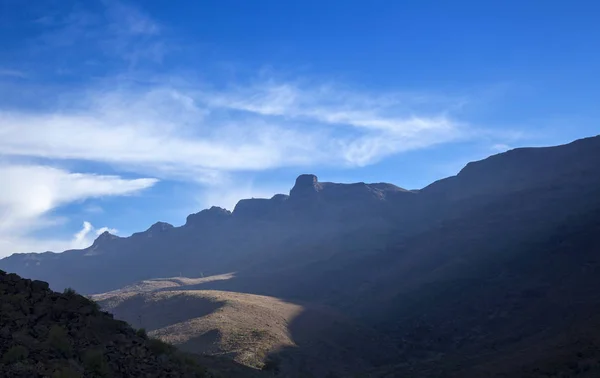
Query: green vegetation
x,y
160,347
15,354
142,333
95,364
94,304
58,340
70,292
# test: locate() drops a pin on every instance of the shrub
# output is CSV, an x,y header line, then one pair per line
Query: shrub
x,y
15,354
159,347
93,303
59,340
95,365
142,333
70,292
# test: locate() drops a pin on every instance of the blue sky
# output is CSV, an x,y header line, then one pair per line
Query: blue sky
x,y
114,114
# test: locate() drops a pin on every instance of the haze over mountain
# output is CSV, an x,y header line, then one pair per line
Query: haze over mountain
x,y
493,271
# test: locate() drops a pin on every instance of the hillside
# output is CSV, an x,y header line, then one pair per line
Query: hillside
x,y
252,329
47,334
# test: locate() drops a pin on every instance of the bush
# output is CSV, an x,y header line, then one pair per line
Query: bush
x,y
142,333
59,340
15,354
95,306
70,292
95,365
159,347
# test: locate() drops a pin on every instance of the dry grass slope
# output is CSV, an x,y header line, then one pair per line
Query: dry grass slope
x,y
250,329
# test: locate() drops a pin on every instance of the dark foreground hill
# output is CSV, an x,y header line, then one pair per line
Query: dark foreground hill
x,y
47,334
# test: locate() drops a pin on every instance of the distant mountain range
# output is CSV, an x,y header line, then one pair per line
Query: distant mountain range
x,y
493,271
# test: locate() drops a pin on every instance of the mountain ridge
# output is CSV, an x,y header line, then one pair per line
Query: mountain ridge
x,y
377,206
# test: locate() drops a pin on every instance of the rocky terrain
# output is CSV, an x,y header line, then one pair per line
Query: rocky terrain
x,y
490,273
47,334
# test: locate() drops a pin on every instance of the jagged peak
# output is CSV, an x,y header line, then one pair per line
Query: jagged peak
x,y
104,237
160,226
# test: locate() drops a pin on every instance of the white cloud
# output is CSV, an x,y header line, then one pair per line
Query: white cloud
x,y
80,237
88,233
102,230
182,131
29,194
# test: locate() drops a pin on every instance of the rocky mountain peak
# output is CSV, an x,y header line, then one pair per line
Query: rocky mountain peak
x,y
306,184
160,227
104,237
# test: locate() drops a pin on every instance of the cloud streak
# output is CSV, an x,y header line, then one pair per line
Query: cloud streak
x,y
30,193
177,130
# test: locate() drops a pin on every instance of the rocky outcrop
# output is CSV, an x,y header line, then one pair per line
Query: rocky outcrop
x,y
156,230
306,185
47,334
214,215
160,227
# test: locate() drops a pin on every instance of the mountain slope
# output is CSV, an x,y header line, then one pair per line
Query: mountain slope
x,y
251,329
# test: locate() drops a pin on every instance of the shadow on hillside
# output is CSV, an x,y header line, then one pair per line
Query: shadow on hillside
x,y
142,312
207,342
330,345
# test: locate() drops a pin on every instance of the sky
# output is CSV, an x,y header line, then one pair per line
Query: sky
x,y
117,114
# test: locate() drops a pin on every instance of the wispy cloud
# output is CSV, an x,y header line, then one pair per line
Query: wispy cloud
x,y
85,237
12,73
30,193
500,147
183,131
106,36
